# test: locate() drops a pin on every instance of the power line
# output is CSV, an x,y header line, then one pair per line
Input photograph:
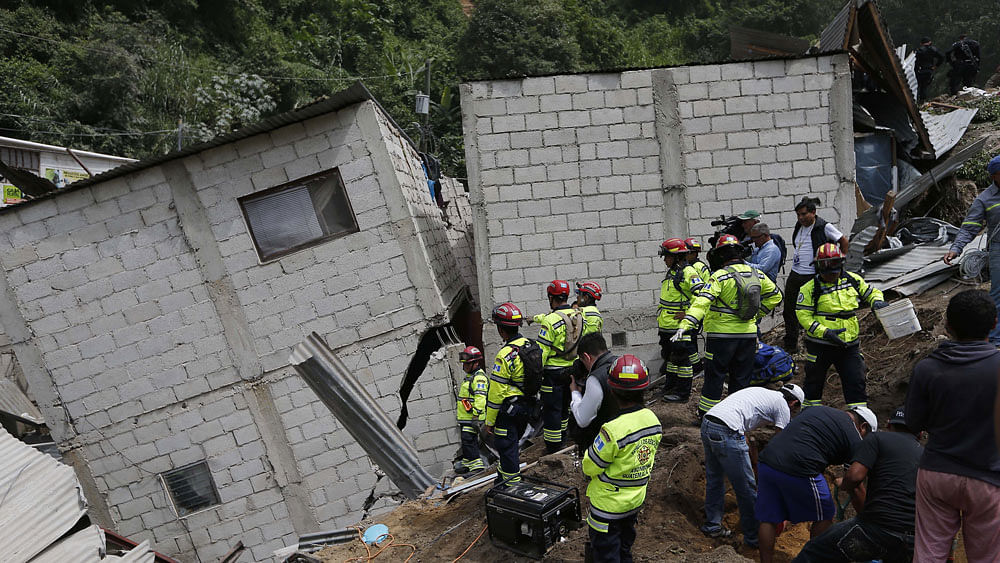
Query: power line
x,y
116,134
196,69
47,120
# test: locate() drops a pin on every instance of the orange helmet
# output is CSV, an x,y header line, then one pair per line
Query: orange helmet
x,y
592,289
628,374
693,244
558,288
829,258
471,354
673,247
727,239
507,314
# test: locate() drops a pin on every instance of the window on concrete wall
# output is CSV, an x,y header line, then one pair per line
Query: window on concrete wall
x,y
298,214
191,488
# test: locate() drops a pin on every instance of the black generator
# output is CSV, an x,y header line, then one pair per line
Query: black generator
x,y
530,516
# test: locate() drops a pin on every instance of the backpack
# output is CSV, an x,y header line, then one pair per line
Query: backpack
x,y
573,322
771,365
780,243
747,293
531,358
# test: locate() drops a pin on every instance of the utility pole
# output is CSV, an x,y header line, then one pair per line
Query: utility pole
x,y
180,132
427,116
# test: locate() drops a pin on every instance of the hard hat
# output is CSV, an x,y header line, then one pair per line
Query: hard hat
x,y
829,258
470,354
673,247
868,416
795,391
507,314
591,288
628,374
558,288
726,240
693,244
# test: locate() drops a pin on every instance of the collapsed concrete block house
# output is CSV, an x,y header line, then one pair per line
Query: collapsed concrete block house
x,y
582,176
152,310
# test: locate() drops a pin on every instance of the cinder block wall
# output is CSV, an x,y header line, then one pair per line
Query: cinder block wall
x,y
152,337
581,176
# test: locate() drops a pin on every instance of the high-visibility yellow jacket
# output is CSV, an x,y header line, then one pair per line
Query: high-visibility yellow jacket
x,y
703,269
836,306
716,304
506,378
592,319
676,293
552,336
473,391
619,463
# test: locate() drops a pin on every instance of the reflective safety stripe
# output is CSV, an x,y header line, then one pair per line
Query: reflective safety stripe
x,y
706,404
810,357
854,405
499,431
638,435
546,388
565,424
721,309
814,326
499,379
811,403
596,458
805,308
493,405
623,482
597,525
474,464
552,435
731,335
972,223
468,428
709,355
594,511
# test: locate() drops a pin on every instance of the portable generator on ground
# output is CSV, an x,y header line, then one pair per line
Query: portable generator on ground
x,y
530,516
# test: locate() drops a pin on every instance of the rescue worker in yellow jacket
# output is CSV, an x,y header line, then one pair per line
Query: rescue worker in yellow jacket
x,y
619,464
729,310
679,287
826,307
588,294
694,248
471,409
558,342
507,408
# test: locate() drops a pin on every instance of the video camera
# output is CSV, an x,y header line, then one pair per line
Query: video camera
x,y
731,225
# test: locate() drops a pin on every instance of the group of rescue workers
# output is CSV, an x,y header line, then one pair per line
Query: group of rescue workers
x,y
617,437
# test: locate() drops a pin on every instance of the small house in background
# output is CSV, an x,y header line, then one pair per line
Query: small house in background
x,y
152,310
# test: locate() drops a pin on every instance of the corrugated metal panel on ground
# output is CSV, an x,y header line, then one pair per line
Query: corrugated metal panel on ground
x,y
15,402
921,262
947,129
85,546
40,500
139,554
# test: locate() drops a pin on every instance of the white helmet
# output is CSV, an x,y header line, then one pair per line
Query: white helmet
x,y
795,391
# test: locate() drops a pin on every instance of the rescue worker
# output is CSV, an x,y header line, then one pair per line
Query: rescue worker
x,y
694,248
928,58
588,294
558,355
471,409
679,287
731,341
593,405
507,409
827,309
964,59
619,463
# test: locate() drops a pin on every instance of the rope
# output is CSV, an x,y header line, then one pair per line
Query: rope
x,y
391,543
472,544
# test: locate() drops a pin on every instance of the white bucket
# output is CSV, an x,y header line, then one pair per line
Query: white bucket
x,y
898,319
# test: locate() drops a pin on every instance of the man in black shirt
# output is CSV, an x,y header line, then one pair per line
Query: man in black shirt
x,y
964,59
883,528
790,483
928,58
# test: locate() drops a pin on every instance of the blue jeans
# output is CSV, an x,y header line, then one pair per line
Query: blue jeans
x,y
995,288
857,540
727,456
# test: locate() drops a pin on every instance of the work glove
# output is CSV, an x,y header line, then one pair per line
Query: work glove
x,y
878,305
677,335
832,335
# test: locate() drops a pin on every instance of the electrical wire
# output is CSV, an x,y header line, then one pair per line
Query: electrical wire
x,y
197,69
391,542
47,120
121,134
472,544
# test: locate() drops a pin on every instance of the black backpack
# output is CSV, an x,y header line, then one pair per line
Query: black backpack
x,y
531,358
780,242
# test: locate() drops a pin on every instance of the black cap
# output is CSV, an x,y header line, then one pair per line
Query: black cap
x,y
925,39
898,417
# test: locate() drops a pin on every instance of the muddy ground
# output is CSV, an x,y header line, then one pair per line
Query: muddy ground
x,y
668,524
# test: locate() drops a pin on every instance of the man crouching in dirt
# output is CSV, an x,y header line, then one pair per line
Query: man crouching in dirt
x,y
619,463
595,404
790,472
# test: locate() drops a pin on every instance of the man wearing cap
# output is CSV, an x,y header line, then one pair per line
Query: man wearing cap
x,y
811,232
766,255
748,219
593,405
928,58
886,506
951,396
984,214
724,432
790,472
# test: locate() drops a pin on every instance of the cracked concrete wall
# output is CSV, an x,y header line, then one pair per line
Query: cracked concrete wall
x,y
153,337
582,176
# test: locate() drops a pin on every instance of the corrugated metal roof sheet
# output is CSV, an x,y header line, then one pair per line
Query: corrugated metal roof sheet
x,y
947,129
909,62
85,546
40,500
139,554
921,262
834,37
15,402
747,43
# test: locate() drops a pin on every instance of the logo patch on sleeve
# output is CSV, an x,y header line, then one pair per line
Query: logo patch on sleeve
x,y
598,443
542,333
496,368
801,298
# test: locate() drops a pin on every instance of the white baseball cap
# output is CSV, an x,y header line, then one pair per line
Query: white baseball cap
x,y
795,391
868,416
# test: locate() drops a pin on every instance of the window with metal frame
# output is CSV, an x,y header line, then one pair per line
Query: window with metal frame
x,y
299,214
191,488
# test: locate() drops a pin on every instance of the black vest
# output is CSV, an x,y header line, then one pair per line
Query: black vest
x,y
609,406
817,236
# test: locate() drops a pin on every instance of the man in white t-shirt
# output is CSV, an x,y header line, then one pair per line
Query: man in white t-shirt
x,y
727,454
810,233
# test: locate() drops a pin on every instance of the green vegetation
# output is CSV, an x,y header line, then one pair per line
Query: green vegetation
x,y
89,74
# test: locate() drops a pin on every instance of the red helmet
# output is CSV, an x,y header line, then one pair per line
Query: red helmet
x,y
727,239
592,289
628,374
829,258
471,354
507,314
558,288
673,247
693,244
